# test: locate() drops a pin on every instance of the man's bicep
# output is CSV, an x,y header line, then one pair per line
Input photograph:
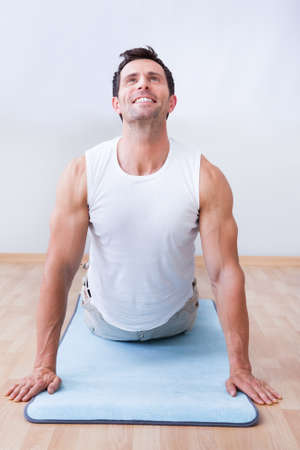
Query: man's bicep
x,y
69,219
218,228
68,233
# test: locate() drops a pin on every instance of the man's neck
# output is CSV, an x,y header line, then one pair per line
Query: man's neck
x,y
141,152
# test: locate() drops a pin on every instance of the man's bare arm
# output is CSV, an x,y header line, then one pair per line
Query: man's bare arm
x,y
218,233
68,227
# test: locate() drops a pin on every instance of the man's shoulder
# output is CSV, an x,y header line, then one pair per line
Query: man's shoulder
x,y
209,171
213,183
77,166
72,183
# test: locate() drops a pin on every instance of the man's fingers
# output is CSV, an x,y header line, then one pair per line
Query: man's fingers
x,y
265,391
22,392
230,387
265,396
56,382
15,391
33,391
272,391
30,390
255,390
253,393
37,381
10,390
247,388
267,386
54,385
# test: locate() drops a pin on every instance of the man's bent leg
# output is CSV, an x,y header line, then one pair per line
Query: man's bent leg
x,y
183,320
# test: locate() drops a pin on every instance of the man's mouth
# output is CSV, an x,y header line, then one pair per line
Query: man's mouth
x,y
144,100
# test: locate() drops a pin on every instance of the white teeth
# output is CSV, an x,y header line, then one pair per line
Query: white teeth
x,y
143,99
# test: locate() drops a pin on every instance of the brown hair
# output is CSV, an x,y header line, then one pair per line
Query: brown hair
x,y
141,53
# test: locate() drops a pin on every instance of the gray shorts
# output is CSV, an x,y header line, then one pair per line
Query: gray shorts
x,y
182,321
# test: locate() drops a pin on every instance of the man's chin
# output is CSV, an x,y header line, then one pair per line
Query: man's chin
x,y
142,117
139,119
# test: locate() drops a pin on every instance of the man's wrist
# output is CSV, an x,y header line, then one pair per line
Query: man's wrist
x,y
45,366
49,363
240,365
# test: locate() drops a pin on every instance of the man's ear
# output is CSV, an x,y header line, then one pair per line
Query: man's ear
x,y
115,104
173,102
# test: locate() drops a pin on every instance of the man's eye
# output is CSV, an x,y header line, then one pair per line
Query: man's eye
x,y
153,78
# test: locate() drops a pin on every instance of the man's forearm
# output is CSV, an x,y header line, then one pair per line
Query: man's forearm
x,y
232,311
50,316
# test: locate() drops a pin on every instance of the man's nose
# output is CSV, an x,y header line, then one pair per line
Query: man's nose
x,y
143,82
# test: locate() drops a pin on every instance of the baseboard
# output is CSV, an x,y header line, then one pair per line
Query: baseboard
x,y
282,261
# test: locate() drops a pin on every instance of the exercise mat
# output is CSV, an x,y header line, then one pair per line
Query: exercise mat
x,y
179,380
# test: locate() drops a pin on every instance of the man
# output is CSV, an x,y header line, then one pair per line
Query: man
x,y
138,196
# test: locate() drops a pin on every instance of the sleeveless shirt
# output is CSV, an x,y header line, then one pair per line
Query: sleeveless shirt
x,y
142,233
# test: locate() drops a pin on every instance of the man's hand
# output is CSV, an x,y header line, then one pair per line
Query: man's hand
x,y
256,389
41,378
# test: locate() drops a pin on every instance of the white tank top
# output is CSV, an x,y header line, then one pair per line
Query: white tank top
x,y
142,231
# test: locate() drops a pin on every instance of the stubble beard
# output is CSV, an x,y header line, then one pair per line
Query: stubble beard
x,y
145,116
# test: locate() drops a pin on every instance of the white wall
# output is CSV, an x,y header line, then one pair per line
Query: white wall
x,y
236,70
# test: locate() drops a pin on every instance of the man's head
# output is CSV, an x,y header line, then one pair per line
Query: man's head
x,y
143,74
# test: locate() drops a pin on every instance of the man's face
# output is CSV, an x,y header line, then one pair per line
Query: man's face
x,y
139,79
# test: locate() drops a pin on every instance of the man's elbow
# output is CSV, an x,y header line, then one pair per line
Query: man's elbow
x,y
232,273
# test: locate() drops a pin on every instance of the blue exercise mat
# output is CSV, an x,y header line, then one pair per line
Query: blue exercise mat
x,y
179,380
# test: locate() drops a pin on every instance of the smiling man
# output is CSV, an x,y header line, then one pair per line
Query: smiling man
x,y
144,197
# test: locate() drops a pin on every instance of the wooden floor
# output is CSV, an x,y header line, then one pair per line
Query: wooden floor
x,y
273,300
